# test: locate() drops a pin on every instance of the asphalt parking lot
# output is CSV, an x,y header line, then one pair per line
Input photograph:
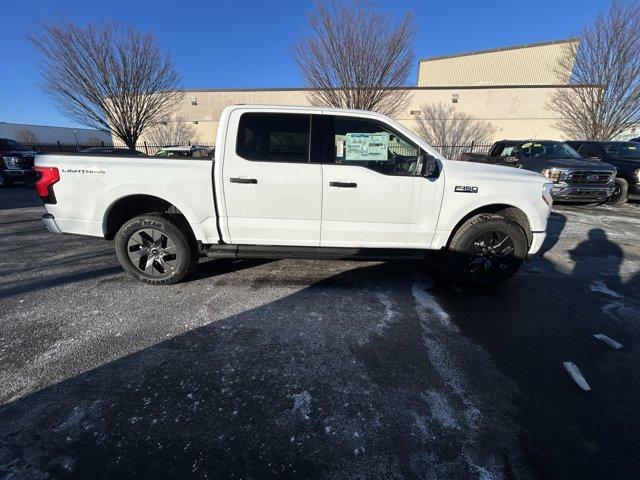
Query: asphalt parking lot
x,y
318,369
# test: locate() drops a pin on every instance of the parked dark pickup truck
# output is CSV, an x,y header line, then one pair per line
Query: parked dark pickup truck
x,y
16,162
625,156
575,179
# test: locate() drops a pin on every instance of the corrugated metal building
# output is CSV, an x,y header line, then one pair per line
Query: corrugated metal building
x,y
533,64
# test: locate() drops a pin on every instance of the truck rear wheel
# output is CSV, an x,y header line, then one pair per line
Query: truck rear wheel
x,y
156,249
486,250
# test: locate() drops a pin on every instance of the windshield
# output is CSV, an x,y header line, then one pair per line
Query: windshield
x,y
548,150
623,149
8,144
173,153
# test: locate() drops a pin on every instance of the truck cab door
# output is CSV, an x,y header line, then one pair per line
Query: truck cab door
x,y
272,188
373,193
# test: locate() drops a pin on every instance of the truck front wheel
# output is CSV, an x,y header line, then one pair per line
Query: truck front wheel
x,y
4,181
156,248
620,192
486,250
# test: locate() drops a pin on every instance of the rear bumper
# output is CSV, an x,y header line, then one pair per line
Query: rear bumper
x,y
581,193
50,223
536,242
76,226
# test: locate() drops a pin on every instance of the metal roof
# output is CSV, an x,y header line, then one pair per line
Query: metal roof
x,y
502,49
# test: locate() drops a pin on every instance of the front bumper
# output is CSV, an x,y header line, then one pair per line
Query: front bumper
x,y
581,193
536,242
50,223
19,175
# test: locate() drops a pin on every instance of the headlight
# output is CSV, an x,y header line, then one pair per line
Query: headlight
x,y
553,174
637,172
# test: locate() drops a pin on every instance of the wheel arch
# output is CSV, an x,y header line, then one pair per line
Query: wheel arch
x,y
502,209
129,206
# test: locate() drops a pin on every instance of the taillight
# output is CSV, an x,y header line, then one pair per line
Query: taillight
x,y
47,176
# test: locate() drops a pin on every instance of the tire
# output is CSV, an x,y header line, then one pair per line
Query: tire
x,y
156,248
4,182
486,250
620,194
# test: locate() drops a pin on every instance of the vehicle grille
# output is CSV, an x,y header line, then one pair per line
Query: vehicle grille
x,y
590,177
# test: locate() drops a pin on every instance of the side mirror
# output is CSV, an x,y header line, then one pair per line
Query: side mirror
x,y
429,165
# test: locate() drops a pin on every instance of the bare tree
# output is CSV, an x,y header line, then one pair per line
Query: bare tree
x,y
356,57
26,136
172,132
110,78
604,97
449,130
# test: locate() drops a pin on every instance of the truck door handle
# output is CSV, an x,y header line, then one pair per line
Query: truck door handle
x,y
343,184
243,180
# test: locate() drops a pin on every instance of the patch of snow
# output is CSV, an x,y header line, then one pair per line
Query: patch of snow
x,y
576,375
428,302
441,410
302,404
600,286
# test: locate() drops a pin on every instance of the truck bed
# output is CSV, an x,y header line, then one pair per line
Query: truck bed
x,y
91,184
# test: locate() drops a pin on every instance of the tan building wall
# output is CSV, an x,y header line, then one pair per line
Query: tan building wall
x,y
533,64
517,112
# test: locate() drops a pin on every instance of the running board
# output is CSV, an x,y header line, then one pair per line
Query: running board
x,y
312,253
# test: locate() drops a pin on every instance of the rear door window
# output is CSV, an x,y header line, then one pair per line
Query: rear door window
x,y
589,150
496,150
274,137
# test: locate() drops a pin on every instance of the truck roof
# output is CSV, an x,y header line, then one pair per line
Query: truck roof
x,y
530,140
306,108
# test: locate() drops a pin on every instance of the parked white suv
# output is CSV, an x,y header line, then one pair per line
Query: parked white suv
x,y
300,182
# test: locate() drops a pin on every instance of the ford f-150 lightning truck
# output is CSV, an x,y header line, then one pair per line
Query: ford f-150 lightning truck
x,y
300,182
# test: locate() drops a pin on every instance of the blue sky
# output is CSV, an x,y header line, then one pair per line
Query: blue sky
x,y
244,43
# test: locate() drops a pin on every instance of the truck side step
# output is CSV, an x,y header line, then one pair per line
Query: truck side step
x,y
311,253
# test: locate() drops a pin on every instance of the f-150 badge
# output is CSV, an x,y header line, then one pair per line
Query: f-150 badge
x,y
466,189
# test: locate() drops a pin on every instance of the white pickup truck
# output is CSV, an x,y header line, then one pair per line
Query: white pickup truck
x,y
300,182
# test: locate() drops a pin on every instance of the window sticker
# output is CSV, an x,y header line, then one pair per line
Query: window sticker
x,y
508,151
367,146
339,148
